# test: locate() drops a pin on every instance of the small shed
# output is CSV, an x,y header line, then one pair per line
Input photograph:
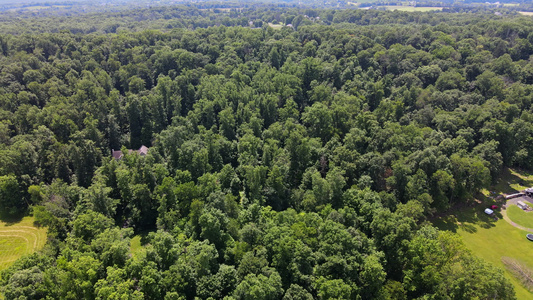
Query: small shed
x,y
522,205
529,192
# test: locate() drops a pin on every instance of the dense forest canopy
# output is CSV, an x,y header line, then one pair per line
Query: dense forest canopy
x,y
284,162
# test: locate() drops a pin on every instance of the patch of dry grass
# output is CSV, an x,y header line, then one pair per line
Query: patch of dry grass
x,y
520,271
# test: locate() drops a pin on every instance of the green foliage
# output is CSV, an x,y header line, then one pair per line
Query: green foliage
x,y
283,163
259,287
434,255
11,200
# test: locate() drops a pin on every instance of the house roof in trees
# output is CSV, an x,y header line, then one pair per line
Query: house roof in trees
x,y
143,150
117,154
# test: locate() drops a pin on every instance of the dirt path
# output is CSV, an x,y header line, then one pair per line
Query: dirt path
x,y
506,218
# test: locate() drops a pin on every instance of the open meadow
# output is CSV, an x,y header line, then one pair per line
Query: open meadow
x,y
520,217
18,239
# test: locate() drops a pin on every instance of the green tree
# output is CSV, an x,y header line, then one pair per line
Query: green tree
x,y
11,198
259,287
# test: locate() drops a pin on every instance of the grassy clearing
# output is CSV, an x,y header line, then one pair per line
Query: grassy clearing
x,y
275,26
18,239
135,245
519,216
138,242
526,13
493,239
412,8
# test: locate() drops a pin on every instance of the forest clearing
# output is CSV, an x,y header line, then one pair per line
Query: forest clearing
x,y
18,239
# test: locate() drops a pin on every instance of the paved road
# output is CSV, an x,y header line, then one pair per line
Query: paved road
x,y
527,200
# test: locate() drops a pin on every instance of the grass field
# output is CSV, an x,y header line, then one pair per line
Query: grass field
x,y
138,242
412,8
36,8
493,239
360,1
526,13
519,216
275,26
135,245
18,239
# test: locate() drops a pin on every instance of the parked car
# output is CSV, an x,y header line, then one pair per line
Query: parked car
x,y
493,207
529,236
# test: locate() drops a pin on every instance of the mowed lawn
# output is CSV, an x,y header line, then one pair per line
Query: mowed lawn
x,y
275,26
519,216
18,239
493,239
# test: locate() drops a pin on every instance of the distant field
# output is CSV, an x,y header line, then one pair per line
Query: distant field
x,y
412,8
360,1
222,9
526,13
19,239
275,26
36,7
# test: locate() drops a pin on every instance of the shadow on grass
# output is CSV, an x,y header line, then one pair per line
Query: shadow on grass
x,y
469,217
508,178
11,219
144,236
